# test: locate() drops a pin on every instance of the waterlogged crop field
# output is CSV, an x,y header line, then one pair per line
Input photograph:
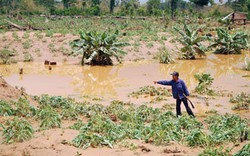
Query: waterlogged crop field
x,y
70,109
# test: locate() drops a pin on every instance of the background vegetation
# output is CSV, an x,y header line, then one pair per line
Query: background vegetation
x,y
169,8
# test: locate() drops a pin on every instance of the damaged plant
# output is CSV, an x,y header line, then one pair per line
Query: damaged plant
x,y
98,48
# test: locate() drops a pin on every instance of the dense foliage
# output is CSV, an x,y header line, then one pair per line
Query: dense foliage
x,y
127,7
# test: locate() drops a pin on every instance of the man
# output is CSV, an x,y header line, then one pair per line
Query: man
x,y
179,91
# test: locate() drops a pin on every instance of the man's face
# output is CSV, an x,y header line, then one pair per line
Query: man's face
x,y
175,77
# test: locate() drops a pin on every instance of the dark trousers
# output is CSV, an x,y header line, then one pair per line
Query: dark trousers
x,y
178,107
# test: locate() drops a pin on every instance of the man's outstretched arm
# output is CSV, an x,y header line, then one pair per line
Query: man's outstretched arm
x,y
167,83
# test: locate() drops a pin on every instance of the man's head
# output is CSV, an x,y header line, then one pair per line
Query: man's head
x,y
175,75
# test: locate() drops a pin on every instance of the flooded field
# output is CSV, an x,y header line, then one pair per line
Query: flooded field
x,y
119,80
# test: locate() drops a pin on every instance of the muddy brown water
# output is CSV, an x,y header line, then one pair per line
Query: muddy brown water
x,y
119,80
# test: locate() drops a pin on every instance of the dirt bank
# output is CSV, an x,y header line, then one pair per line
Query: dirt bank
x,y
7,92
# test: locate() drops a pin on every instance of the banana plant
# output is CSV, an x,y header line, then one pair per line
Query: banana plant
x,y
228,42
17,130
6,109
98,48
205,81
49,117
191,40
244,151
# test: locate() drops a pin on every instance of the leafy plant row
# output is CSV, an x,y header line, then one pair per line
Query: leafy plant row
x,y
108,125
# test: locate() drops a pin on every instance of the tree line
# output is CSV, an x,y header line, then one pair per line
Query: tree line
x,y
114,7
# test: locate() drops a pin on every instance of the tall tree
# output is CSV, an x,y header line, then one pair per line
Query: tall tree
x,y
68,3
95,2
173,7
239,5
153,5
129,6
50,4
200,2
10,5
112,6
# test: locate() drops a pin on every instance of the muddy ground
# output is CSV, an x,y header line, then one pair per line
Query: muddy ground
x,y
110,83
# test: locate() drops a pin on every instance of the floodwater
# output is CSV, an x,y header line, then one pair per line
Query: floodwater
x,y
119,80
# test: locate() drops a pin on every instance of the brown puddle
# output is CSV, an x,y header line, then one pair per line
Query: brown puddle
x,y
119,80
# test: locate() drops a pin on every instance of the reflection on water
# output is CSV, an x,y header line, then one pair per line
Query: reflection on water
x,y
109,81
